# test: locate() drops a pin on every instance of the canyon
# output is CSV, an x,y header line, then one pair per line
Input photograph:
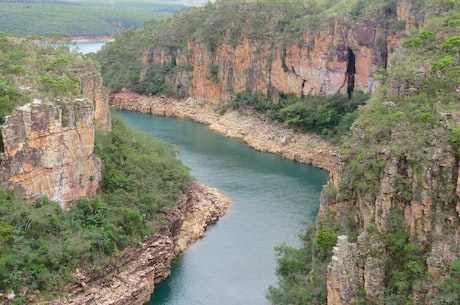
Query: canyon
x,y
415,179
48,151
45,144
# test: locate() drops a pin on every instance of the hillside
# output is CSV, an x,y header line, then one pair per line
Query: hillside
x,y
80,18
77,188
390,70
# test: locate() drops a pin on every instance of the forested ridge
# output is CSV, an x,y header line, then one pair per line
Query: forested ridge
x,y
394,144
79,18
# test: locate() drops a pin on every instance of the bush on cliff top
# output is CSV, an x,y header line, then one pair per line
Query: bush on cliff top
x,y
31,68
41,244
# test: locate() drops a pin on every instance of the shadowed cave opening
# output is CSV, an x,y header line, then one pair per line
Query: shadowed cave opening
x,y
351,70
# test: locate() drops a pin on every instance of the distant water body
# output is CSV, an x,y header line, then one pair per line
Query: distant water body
x,y
271,199
87,47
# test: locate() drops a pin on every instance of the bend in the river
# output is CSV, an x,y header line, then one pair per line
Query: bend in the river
x,y
272,198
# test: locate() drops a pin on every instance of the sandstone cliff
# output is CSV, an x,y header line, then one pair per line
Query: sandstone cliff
x,y
427,199
48,151
400,182
131,278
261,47
49,144
92,87
339,58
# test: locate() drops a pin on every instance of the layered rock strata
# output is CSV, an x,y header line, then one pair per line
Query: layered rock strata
x,y
48,145
338,58
131,278
92,87
431,222
48,150
253,129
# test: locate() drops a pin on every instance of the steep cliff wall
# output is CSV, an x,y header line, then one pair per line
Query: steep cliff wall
x,y
267,47
48,151
92,87
339,58
48,144
426,198
399,185
398,190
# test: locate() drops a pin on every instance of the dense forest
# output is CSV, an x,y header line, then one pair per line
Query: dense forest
x,y
392,143
80,18
41,243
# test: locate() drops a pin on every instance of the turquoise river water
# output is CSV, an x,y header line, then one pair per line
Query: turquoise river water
x,y
272,199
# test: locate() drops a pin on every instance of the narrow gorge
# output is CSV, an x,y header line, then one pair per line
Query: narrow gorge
x,y
367,90
388,229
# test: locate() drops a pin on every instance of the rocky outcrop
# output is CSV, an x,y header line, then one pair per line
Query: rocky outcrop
x,y
48,145
356,265
253,129
425,194
48,151
92,87
130,279
342,269
338,58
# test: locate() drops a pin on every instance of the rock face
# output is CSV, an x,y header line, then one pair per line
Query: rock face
x,y
338,58
48,151
426,197
342,269
48,146
91,86
131,278
423,187
256,131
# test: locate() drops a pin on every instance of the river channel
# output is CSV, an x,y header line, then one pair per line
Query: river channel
x,y
272,199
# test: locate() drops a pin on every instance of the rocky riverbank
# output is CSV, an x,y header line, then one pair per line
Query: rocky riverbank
x,y
255,130
131,278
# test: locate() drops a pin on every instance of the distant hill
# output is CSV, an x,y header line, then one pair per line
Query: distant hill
x,y
81,17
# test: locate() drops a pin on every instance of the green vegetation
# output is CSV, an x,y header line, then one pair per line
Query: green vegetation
x,y
120,64
330,117
409,121
37,69
33,71
79,18
41,244
450,287
301,274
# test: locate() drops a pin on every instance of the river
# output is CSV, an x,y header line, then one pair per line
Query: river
x,y
272,198
87,47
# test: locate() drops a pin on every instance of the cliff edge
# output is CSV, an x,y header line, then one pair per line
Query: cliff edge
x,y
131,278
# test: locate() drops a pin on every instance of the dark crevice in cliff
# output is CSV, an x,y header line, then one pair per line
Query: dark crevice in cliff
x,y
351,70
302,93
